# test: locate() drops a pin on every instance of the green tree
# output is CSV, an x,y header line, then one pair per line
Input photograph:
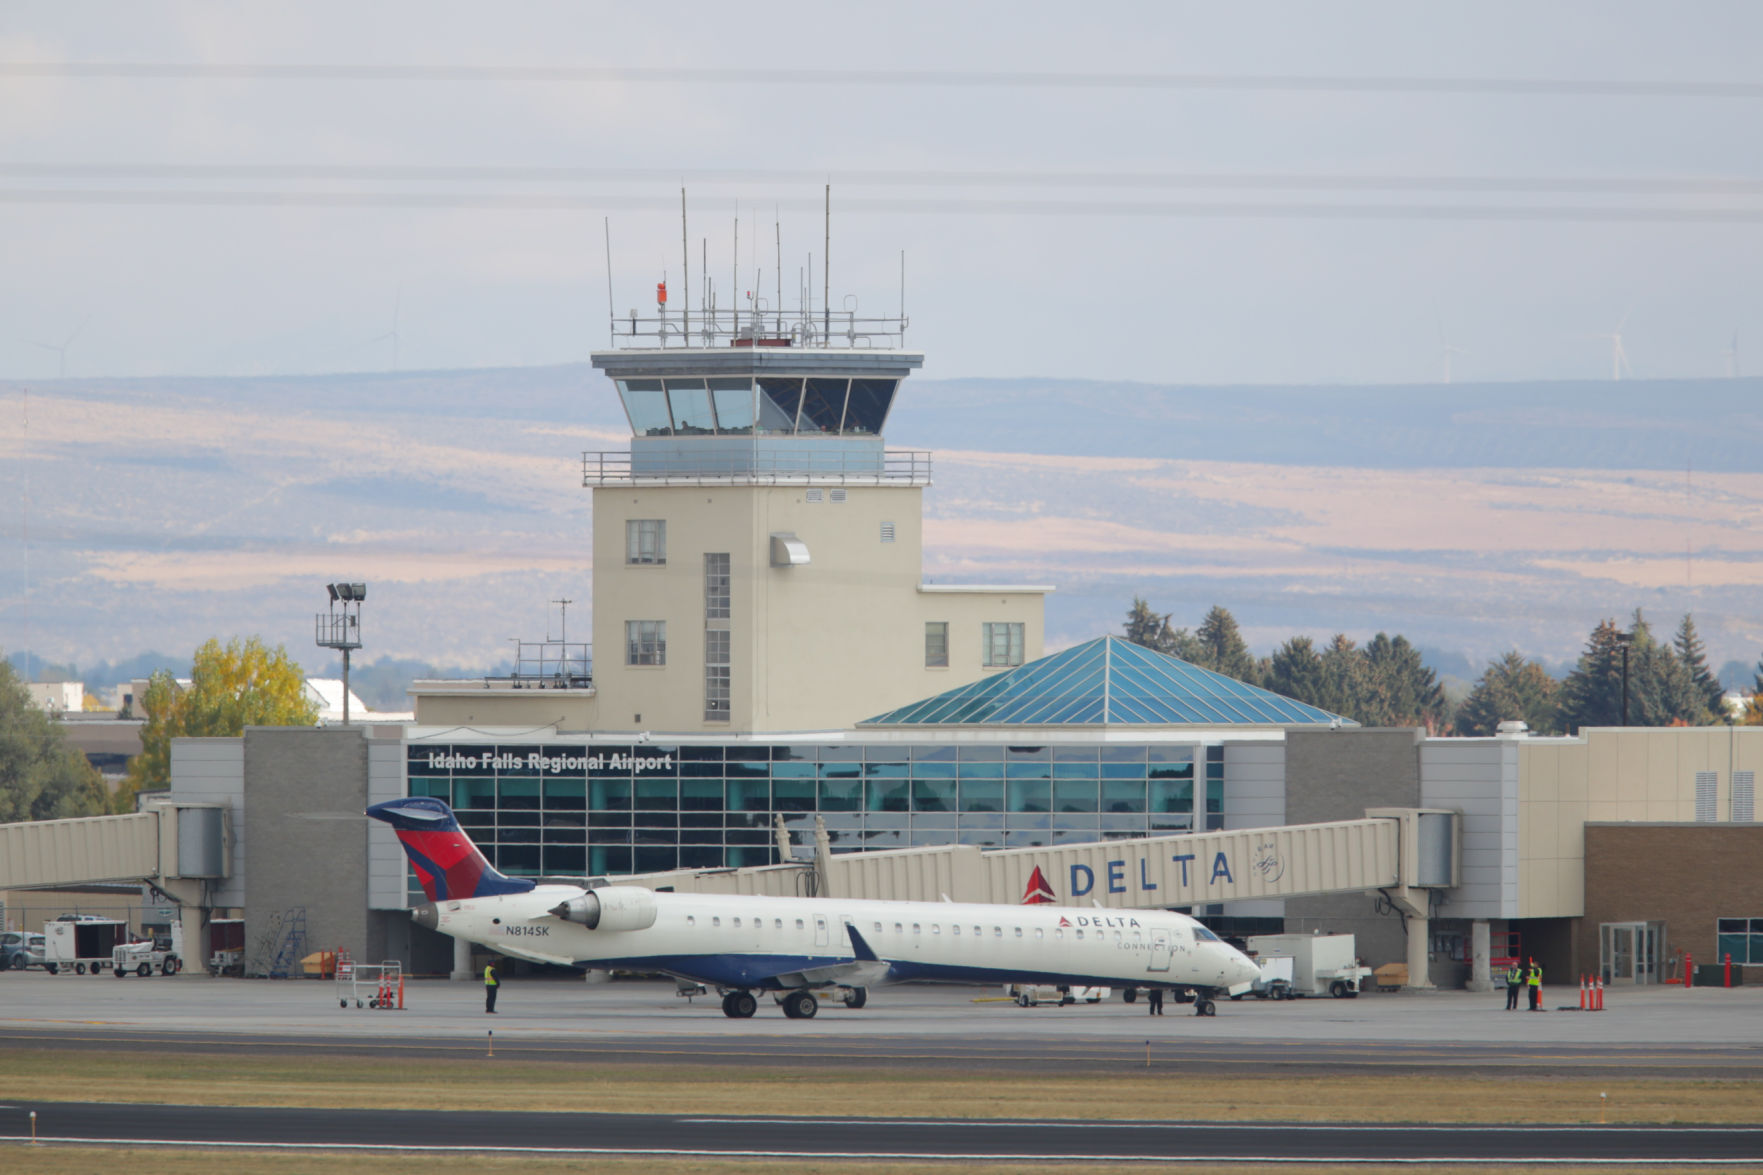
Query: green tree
x,y
1752,714
41,777
232,686
1401,690
1343,678
1221,646
1660,690
1511,688
1151,629
1687,645
1296,671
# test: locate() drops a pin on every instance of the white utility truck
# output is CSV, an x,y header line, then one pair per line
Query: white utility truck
x,y
1322,964
82,943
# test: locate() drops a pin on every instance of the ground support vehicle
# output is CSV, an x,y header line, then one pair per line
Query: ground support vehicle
x,y
1275,981
1032,995
1322,964
144,958
226,946
86,945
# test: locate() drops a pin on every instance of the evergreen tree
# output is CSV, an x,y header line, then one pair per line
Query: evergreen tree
x,y
1296,671
41,777
1343,678
1145,627
1660,691
1221,646
1693,657
1401,690
1511,688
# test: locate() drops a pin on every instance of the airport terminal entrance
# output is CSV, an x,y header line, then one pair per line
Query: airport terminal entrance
x,y
1631,952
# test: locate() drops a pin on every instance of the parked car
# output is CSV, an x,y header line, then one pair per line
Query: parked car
x,y
20,949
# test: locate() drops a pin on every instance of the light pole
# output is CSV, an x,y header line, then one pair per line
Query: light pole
x,y
1625,639
340,628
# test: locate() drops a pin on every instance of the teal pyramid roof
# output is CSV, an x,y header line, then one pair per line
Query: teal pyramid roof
x,y
1105,681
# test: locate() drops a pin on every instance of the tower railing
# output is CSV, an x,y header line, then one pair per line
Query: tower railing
x,y
897,467
760,327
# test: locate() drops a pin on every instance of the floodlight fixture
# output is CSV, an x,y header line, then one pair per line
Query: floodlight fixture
x,y
340,628
332,588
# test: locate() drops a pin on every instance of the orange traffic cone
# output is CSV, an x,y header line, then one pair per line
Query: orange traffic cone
x,y
1584,1001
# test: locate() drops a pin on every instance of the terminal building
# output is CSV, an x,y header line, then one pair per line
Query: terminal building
x,y
774,697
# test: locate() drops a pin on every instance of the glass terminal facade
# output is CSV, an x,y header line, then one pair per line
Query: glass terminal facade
x,y
564,809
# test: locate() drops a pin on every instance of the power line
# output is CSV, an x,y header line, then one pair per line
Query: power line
x,y
970,79
532,201
409,173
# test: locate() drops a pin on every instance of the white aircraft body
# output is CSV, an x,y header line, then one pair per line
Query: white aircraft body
x,y
787,946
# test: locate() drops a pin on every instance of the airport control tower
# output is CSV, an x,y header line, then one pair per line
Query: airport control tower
x,y
758,549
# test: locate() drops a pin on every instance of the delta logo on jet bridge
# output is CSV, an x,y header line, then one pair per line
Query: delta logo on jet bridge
x,y
1114,875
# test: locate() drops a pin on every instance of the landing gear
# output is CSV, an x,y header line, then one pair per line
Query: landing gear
x,y
1205,1007
739,1005
856,997
1130,995
800,1005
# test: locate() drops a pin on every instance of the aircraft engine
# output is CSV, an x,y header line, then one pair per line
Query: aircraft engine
x,y
617,907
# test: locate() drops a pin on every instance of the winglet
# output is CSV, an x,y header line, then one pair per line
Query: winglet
x,y
860,948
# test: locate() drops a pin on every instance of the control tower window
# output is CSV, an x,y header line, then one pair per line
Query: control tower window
x,y
823,406
690,402
734,405
645,642
645,541
779,402
646,405
868,406
1003,644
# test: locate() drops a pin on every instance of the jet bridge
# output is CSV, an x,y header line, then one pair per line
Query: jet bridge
x,y
174,847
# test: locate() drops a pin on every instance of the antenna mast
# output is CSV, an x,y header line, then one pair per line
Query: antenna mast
x,y
611,310
826,273
685,250
778,225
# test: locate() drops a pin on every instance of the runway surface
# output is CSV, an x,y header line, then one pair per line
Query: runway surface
x,y
703,1136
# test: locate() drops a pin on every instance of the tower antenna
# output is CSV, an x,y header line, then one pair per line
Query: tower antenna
x,y
778,224
611,311
685,250
902,297
734,275
826,272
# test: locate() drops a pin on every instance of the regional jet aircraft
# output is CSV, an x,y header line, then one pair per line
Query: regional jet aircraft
x,y
788,946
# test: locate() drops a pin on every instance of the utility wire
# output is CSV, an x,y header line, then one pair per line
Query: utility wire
x,y
970,79
567,202
1281,181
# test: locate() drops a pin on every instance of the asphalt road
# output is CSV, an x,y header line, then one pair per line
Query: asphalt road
x,y
681,1135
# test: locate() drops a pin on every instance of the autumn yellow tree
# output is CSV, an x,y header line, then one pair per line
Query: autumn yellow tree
x,y
232,686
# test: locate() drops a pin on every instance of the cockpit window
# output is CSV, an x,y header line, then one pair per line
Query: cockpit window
x,y
1201,934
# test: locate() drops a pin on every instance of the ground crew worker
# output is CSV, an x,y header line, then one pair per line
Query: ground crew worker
x,y
1156,1001
1535,979
1514,981
490,986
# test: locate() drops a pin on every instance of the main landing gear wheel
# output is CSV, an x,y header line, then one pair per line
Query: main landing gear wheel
x,y
1130,995
801,1005
856,997
1205,1008
739,1005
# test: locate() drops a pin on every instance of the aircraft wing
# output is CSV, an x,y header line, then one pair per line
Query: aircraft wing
x,y
865,969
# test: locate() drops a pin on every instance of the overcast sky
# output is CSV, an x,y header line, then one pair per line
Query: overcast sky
x,y
1049,228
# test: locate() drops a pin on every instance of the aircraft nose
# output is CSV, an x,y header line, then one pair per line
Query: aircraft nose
x,y
1243,969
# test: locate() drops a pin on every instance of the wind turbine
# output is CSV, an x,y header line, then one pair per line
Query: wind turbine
x,y
1448,350
397,300
61,351
1618,356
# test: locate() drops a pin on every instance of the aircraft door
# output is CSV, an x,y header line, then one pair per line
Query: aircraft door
x,y
820,931
1159,951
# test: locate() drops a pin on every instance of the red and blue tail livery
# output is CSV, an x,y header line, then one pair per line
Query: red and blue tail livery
x,y
447,864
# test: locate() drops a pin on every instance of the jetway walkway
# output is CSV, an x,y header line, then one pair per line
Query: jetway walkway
x,y
175,847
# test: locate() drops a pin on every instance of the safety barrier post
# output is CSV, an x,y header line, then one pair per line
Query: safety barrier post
x,y
400,992
1689,969
33,1128
1729,970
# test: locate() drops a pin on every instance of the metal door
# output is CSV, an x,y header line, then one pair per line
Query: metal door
x,y
1159,951
1631,952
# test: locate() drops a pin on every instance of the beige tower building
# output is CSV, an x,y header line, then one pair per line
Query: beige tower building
x,y
758,550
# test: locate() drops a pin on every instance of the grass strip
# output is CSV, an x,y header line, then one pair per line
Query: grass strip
x,y
1156,1094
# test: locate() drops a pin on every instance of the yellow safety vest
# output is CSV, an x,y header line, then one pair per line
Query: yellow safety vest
x,y
489,977
1536,976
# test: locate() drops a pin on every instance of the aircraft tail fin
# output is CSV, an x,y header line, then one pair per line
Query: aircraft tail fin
x,y
447,864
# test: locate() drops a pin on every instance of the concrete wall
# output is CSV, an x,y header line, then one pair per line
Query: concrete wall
x,y
306,841
1255,797
1478,777
1688,874
212,771
1613,774
1336,775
